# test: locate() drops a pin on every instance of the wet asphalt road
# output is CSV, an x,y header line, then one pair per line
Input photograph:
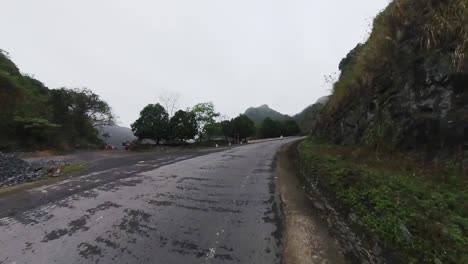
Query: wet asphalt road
x,y
221,207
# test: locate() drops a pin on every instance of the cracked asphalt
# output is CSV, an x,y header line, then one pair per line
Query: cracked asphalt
x,y
217,207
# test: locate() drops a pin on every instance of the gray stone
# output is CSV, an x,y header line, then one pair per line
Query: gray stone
x,y
353,217
377,250
15,171
406,233
318,205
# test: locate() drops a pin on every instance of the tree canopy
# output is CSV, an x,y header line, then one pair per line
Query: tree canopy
x,y
243,126
274,128
240,127
183,126
34,116
153,123
205,115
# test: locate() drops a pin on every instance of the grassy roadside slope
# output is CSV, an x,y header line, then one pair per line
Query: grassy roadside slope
x,y
419,211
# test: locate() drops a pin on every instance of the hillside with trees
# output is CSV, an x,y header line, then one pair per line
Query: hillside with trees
x,y
32,116
307,118
258,114
391,144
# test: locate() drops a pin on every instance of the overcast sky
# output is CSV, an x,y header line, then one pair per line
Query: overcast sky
x,y
235,53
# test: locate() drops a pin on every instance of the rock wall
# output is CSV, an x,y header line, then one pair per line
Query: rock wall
x,y
423,106
407,86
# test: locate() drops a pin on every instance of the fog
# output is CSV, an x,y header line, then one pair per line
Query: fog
x,y
236,54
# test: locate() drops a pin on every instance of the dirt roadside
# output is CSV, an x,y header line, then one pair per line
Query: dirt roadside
x,y
307,239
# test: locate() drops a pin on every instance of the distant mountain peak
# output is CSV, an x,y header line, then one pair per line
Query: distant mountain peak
x,y
258,114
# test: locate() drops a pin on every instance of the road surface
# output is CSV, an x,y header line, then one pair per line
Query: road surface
x,y
219,207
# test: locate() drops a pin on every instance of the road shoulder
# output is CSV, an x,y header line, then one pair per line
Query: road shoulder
x,y
306,235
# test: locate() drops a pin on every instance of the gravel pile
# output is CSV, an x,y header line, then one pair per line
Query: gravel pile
x,y
15,171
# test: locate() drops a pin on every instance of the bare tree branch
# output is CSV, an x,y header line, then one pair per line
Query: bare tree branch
x,y
170,101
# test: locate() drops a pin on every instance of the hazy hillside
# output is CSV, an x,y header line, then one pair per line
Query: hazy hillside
x,y
307,118
258,114
117,135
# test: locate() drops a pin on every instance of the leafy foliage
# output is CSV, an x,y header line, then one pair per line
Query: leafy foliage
x,y
80,112
32,116
212,130
238,128
153,123
183,126
205,115
272,128
243,127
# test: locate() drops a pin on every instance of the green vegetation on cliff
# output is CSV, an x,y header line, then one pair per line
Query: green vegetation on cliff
x,y
421,212
402,34
406,87
33,116
396,130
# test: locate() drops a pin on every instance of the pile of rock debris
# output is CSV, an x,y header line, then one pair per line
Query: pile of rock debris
x,y
15,171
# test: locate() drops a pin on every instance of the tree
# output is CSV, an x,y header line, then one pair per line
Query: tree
x,y
290,128
213,129
169,100
80,112
183,125
82,105
152,123
32,115
274,128
243,126
270,128
227,128
34,129
205,115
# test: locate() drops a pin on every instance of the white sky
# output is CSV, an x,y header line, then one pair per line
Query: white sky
x,y
235,53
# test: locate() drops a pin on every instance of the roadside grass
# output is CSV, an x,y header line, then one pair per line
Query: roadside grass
x,y
418,210
74,168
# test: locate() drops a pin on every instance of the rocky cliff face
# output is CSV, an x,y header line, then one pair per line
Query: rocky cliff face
x,y
413,99
423,108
